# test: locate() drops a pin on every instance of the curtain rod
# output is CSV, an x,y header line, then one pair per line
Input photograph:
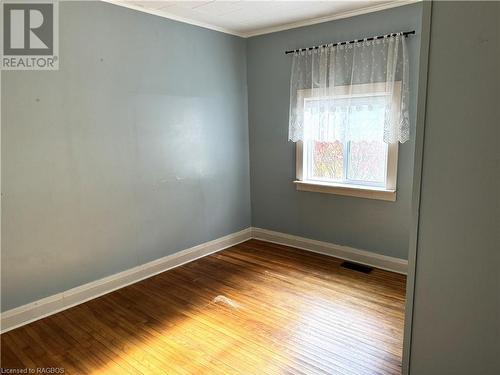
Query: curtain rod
x,y
406,33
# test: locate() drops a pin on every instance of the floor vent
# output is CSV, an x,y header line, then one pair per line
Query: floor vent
x,y
357,267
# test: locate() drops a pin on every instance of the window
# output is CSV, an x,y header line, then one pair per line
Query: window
x,y
347,157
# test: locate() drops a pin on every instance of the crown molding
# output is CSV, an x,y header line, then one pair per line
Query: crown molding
x,y
176,18
267,30
337,16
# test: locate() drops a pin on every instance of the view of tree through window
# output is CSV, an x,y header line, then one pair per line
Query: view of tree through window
x,y
344,140
367,161
328,161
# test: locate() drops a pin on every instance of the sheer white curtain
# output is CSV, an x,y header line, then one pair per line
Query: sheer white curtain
x,y
334,90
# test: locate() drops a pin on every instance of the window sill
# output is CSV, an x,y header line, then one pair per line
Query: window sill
x,y
347,190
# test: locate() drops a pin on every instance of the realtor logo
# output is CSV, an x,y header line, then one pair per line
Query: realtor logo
x,y
30,35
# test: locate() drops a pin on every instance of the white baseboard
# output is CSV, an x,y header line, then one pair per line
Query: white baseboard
x,y
30,312
61,301
343,252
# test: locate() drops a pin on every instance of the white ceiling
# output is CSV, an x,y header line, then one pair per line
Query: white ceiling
x,y
248,18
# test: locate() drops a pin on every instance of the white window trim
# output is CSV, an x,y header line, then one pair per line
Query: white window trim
x,y
387,193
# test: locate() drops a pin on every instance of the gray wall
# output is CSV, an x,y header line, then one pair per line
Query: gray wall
x,y
135,149
456,316
378,226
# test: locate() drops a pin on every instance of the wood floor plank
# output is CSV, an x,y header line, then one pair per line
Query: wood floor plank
x,y
255,308
316,347
314,332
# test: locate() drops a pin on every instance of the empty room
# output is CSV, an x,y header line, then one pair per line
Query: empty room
x,y
250,187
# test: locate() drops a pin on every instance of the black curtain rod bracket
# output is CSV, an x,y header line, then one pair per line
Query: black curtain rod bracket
x,y
405,34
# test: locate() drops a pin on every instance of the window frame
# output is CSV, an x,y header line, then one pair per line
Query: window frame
x,y
352,187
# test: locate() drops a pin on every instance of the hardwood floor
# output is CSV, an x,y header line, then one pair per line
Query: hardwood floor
x,y
256,308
